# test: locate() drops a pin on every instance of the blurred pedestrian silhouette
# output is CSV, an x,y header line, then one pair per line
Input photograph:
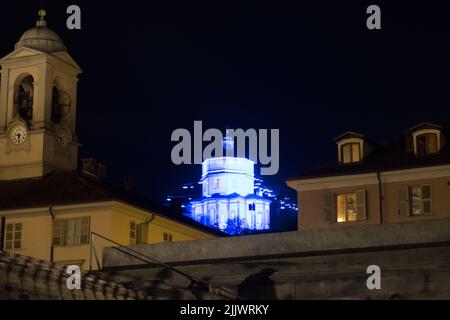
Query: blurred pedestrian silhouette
x,y
258,286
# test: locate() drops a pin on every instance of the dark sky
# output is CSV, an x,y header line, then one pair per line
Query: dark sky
x,y
309,68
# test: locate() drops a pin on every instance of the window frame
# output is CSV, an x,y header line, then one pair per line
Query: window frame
x,y
346,194
352,145
427,136
422,200
81,229
410,202
167,237
422,132
13,239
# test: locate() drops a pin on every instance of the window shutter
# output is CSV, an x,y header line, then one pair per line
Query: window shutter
x,y
57,239
361,205
85,230
426,198
132,233
328,209
403,202
142,233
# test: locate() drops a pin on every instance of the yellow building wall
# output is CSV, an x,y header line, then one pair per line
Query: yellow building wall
x,y
36,234
100,222
111,221
440,199
123,215
179,232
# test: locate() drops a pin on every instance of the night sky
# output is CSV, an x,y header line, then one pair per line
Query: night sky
x,y
309,68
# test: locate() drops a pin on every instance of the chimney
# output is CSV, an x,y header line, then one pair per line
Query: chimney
x,y
92,169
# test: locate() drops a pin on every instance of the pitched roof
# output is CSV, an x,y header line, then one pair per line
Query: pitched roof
x,y
425,125
395,155
349,134
65,188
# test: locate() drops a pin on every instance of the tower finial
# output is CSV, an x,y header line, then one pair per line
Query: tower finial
x,y
41,22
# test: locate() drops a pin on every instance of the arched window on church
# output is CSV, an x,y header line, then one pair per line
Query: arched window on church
x,y
61,104
56,110
23,102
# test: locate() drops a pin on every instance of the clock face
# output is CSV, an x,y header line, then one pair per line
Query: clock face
x,y
18,135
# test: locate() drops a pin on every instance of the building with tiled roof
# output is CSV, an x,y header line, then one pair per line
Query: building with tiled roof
x,y
407,178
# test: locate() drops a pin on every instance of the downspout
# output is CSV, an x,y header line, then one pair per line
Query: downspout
x,y
147,222
380,196
52,213
2,232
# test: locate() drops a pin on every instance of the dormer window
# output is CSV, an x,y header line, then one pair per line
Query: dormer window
x,y
427,139
352,148
351,152
427,143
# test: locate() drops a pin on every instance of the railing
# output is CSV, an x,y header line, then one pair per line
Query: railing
x,y
194,282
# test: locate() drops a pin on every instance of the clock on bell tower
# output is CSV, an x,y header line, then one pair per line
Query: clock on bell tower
x,y
38,96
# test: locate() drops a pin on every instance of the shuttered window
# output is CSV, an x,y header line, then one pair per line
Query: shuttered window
x,y
142,232
71,232
328,209
13,236
414,201
351,206
138,233
133,232
167,237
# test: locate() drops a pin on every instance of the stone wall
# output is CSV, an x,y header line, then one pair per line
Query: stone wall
x,y
23,278
414,258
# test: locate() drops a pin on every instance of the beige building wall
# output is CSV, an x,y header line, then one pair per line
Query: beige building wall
x,y
311,196
440,199
312,204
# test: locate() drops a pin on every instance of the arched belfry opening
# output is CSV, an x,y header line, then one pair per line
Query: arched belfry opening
x,y
61,102
23,99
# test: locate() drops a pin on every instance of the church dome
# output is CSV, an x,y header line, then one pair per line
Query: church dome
x,y
41,38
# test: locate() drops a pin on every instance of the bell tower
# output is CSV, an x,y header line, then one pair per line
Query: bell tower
x,y
38,99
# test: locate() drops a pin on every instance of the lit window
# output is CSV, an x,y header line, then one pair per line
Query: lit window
x,y
427,143
13,236
71,232
167,237
346,209
351,152
351,206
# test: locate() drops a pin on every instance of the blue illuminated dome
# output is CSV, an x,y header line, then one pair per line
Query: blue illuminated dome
x,y
228,200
